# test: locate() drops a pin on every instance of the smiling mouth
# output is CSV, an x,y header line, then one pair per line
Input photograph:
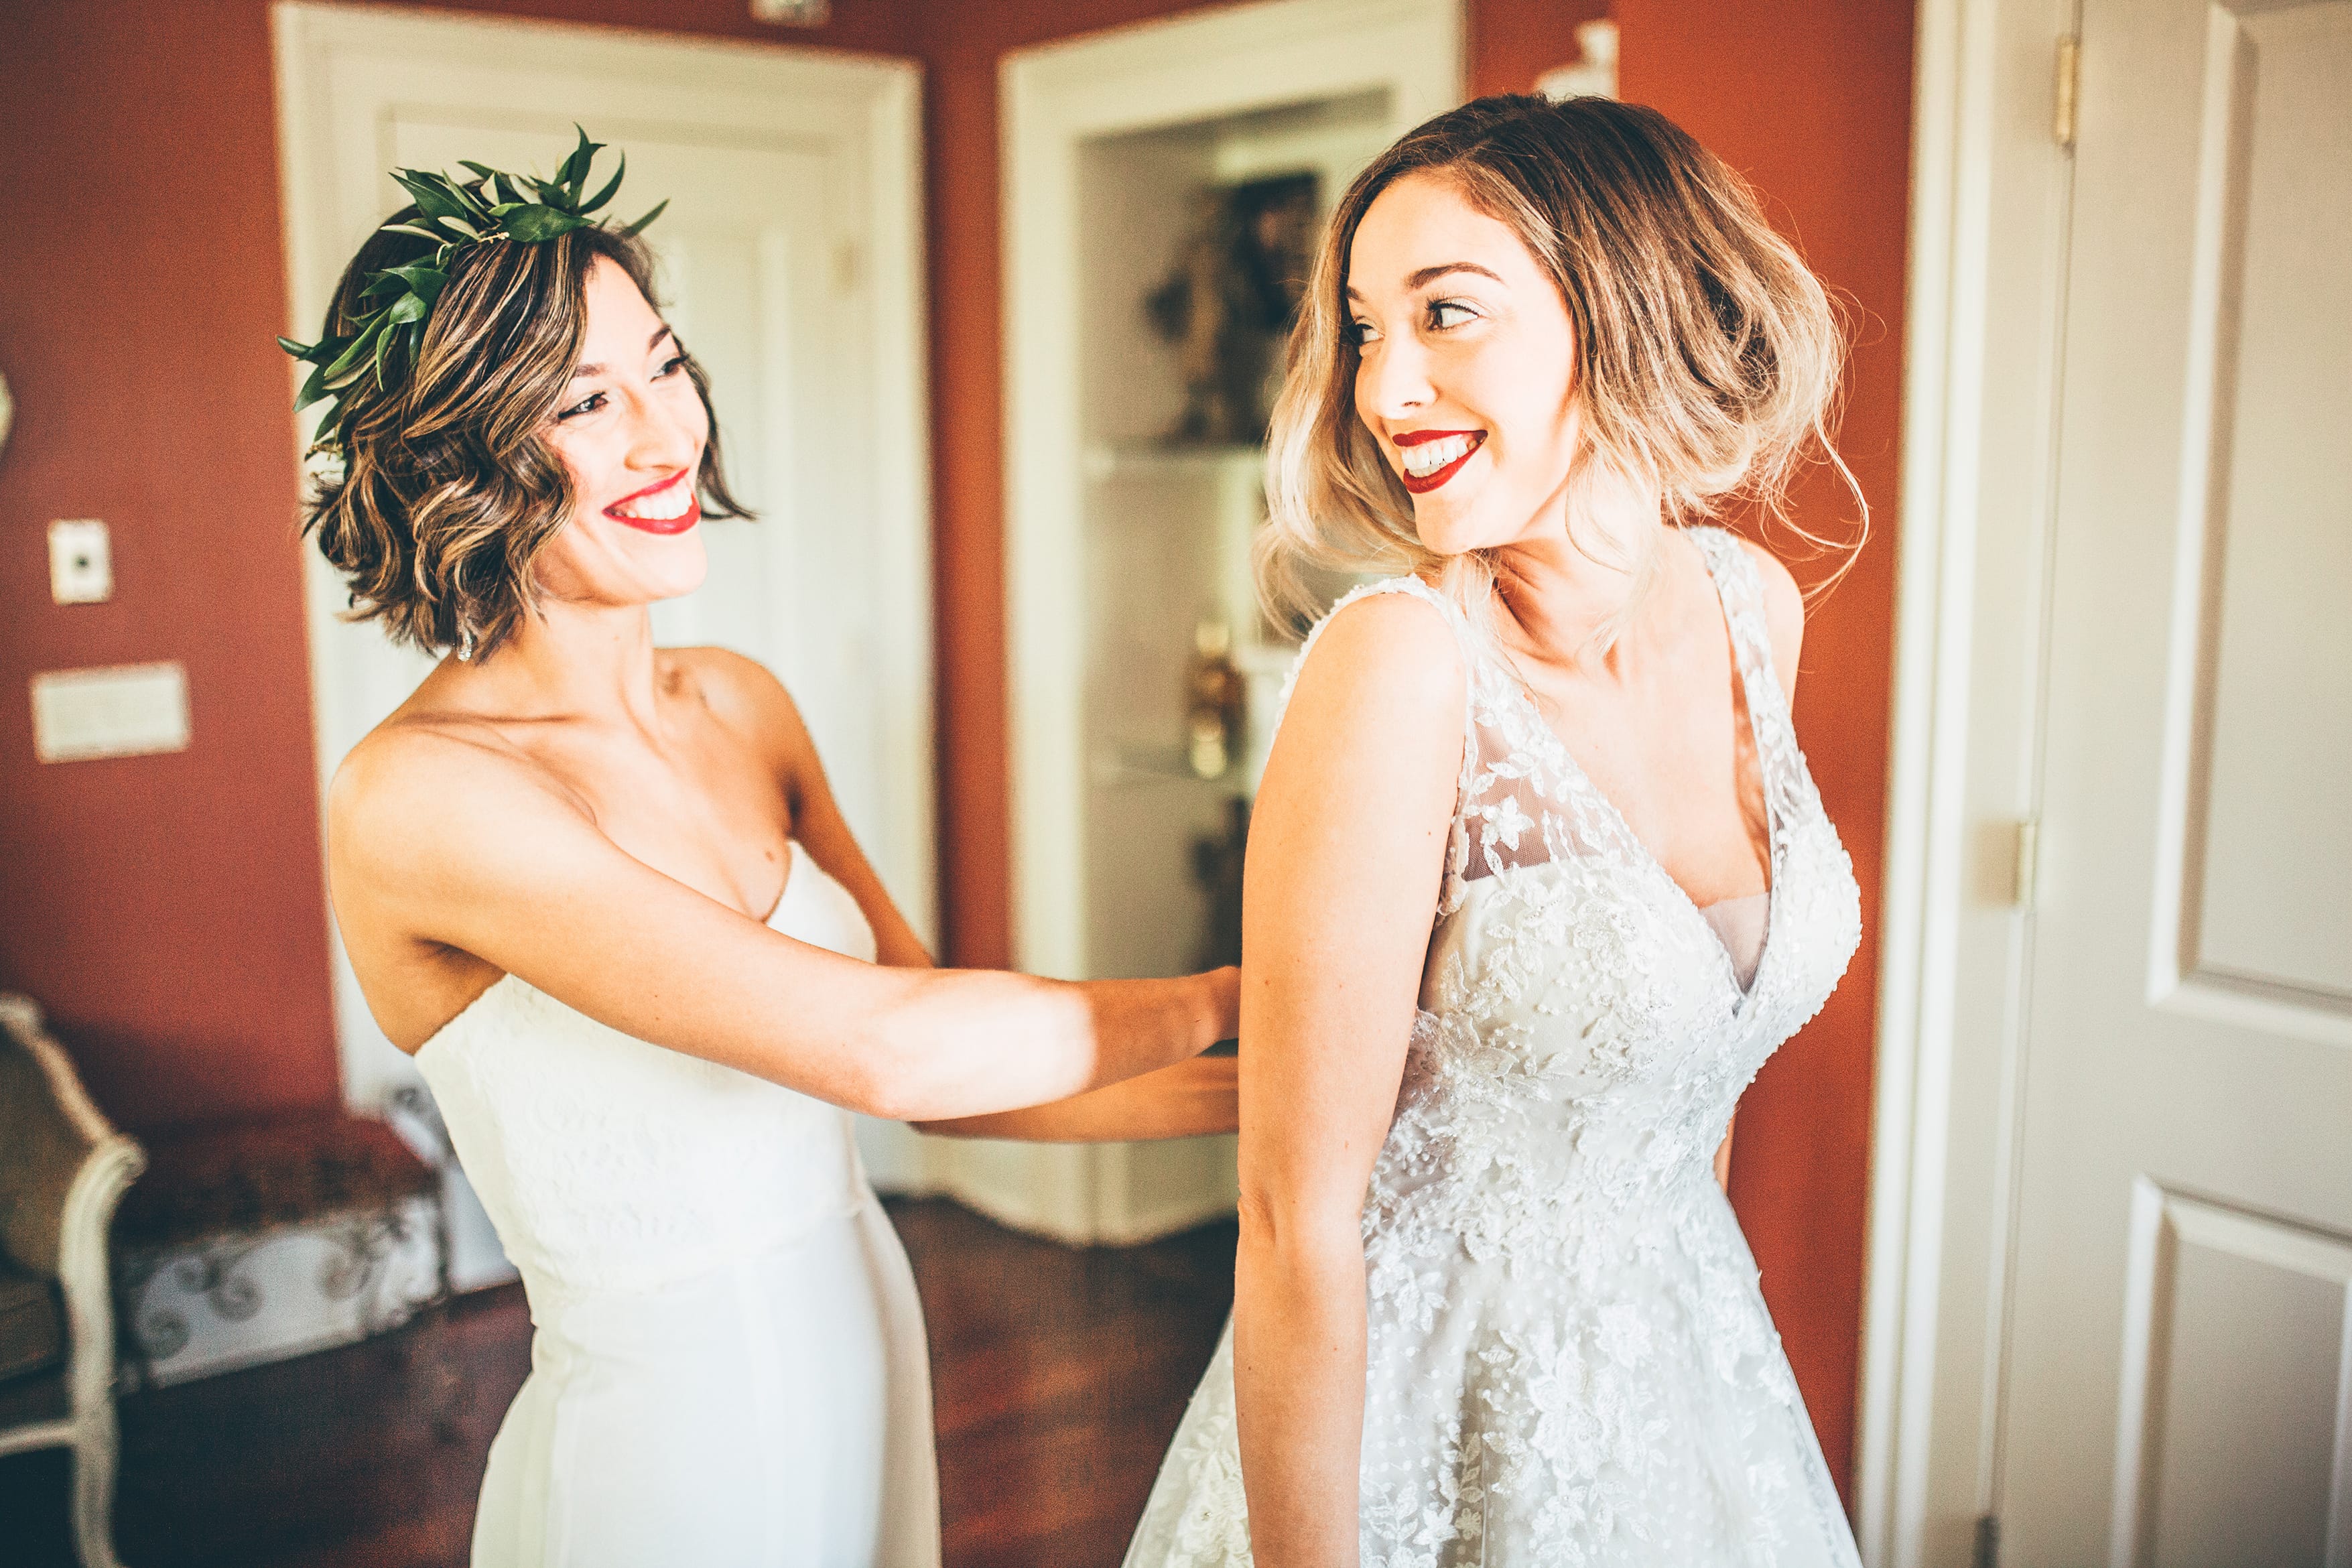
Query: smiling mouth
x,y
1432,457
668,507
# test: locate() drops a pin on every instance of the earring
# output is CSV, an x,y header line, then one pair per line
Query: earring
x,y
465,643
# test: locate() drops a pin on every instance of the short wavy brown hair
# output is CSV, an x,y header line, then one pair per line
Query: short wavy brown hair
x,y
447,490
1707,354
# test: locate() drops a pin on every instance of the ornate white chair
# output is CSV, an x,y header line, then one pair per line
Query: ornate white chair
x,y
62,1170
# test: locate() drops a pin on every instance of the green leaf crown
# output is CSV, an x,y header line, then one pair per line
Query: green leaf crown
x,y
453,215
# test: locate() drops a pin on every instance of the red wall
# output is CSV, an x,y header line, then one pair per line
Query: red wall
x,y
1812,100
169,910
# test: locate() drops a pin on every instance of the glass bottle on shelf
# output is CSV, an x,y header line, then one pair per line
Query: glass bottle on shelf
x,y
1215,702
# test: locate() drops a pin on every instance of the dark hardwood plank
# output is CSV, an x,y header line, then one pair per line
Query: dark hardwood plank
x,y
1058,1376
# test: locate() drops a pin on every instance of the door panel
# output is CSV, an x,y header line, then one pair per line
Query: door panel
x,y
2177,1387
2282,456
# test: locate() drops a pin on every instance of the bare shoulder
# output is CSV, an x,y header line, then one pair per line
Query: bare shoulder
x,y
411,788
743,694
1385,651
1377,707
1784,611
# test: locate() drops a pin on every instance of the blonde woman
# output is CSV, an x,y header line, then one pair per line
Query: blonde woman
x,y
1537,880
602,891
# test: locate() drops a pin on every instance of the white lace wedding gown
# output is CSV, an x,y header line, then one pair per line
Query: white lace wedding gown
x,y
729,1366
1569,1361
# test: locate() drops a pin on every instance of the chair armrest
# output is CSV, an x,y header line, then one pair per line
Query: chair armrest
x,y
63,1168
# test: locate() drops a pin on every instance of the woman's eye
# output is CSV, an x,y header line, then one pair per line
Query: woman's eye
x,y
1361,332
1446,314
675,363
588,405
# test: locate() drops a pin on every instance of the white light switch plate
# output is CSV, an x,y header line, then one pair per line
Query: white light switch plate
x,y
122,711
81,570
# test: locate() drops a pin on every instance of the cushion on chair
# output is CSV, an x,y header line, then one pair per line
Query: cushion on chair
x,y
32,1323
251,1176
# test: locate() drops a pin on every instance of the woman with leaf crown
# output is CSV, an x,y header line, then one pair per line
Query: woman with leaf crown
x,y
603,893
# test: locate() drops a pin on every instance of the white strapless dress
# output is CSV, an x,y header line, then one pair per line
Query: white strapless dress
x,y
729,1366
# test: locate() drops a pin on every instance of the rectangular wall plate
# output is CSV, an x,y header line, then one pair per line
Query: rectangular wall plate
x,y
81,569
119,710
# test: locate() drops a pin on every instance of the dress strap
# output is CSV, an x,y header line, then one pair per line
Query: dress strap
x,y
1742,589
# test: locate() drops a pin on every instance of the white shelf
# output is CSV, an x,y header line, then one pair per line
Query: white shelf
x,y
1105,458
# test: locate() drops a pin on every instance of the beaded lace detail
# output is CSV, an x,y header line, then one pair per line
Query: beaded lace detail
x,y
1568,1361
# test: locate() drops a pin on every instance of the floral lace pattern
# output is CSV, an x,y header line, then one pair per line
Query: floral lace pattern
x,y
1569,1360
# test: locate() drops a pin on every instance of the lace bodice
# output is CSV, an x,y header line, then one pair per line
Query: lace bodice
x,y
1568,1361
1583,1031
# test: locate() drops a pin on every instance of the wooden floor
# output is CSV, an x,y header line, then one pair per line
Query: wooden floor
x,y
1059,1375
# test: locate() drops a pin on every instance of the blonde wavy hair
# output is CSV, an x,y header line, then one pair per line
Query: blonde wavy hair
x,y
447,490
1707,354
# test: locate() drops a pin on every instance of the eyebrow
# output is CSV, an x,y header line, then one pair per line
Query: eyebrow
x,y
594,369
1429,275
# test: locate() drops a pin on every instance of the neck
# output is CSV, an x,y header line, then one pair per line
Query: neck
x,y
1568,583
575,660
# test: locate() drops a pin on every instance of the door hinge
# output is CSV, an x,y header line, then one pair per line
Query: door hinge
x,y
1987,1552
2028,863
2069,78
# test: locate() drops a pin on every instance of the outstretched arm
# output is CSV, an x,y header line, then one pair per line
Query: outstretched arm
x,y
457,845
1345,859
1190,1100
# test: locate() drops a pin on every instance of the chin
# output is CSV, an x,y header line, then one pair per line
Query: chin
x,y
682,568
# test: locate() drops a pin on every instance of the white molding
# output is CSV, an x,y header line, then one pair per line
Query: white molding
x,y
1227,61
1990,188
866,113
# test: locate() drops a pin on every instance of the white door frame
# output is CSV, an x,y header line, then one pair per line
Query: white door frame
x,y
867,111
1055,97
1990,187
1220,62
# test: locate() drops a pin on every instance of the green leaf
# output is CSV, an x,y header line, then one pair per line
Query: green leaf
x,y
482,169
384,342
611,187
312,390
638,226
406,309
435,235
573,174
419,277
299,350
533,224
356,351
508,188
432,200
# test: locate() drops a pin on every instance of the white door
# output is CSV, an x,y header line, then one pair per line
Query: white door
x,y
2178,1384
789,259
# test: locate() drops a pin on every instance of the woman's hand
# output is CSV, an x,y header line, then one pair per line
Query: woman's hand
x,y
1346,862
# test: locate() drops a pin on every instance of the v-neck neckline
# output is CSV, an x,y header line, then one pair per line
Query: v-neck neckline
x,y
1775,829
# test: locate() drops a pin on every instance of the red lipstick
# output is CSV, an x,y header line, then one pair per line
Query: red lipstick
x,y
662,525
1421,484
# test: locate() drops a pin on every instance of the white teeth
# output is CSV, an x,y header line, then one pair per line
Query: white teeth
x,y
662,505
1431,456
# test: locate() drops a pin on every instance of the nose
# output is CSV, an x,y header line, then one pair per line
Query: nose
x,y
664,433
1392,378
